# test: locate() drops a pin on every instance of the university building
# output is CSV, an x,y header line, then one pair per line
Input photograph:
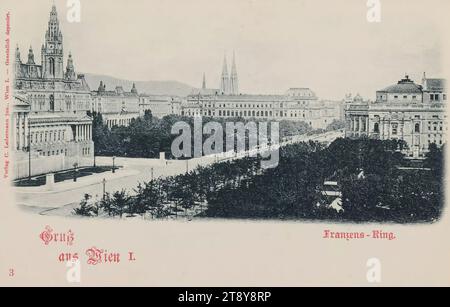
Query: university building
x,y
297,104
117,107
406,111
159,105
50,126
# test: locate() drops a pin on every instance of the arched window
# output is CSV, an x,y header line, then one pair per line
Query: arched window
x,y
417,128
52,66
376,128
52,103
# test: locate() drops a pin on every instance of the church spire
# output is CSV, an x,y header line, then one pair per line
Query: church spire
x,y
234,83
424,81
30,56
204,81
101,87
224,84
18,64
134,89
18,54
70,70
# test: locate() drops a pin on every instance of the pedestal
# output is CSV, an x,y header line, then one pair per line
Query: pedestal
x,y
49,181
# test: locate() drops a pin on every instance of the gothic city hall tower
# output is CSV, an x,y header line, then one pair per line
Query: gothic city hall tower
x,y
51,129
52,50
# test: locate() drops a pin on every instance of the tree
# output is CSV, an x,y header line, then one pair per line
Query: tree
x,y
120,202
336,125
86,209
435,160
373,187
149,198
106,204
148,116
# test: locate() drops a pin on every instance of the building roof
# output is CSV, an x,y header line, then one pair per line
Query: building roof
x,y
301,93
205,91
435,84
46,117
404,86
249,97
114,94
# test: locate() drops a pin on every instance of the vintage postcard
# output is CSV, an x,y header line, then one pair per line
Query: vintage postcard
x,y
213,143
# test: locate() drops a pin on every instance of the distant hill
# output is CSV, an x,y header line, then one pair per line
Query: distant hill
x,y
171,88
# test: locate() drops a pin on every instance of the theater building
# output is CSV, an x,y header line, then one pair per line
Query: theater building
x,y
406,111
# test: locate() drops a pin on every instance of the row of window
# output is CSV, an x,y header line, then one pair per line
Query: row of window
x,y
244,113
54,152
119,122
377,117
240,105
40,102
414,97
435,128
233,105
85,151
376,128
435,97
47,136
440,142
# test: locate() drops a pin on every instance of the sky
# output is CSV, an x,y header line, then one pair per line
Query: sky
x,y
326,45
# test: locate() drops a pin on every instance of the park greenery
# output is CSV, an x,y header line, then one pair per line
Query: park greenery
x,y
148,136
390,189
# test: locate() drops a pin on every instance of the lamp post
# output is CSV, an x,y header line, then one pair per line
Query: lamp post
x,y
75,167
104,188
114,164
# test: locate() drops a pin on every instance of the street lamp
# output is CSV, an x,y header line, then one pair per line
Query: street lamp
x,y
114,165
104,188
75,166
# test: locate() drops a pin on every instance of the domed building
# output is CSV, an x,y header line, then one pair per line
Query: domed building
x,y
405,111
405,91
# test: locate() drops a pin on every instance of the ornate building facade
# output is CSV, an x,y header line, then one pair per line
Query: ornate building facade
x,y
297,104
117,107
159,105
406,111
51,105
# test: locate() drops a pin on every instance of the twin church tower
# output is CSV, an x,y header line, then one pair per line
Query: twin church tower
x,y
229,84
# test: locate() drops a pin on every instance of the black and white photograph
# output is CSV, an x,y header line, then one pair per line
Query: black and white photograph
x,y
255,112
